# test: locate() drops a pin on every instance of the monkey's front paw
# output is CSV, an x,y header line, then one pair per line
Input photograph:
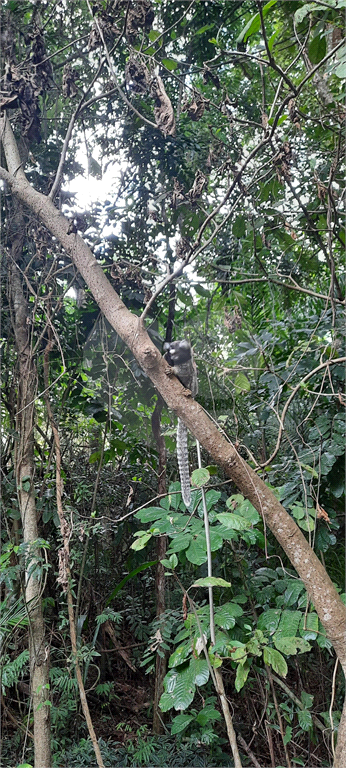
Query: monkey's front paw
x,y
169,371
187,392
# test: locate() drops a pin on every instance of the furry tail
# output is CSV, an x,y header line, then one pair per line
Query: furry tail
x,y
183,462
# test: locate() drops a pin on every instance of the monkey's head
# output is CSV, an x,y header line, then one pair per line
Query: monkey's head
x,y
177,352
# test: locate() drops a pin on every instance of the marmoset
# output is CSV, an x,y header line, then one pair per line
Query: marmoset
x,y
179,356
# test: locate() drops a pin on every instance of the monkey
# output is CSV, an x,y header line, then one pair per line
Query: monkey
x,y
179,356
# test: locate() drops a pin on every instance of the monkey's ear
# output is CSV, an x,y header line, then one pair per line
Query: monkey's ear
x,y
166,346
184,344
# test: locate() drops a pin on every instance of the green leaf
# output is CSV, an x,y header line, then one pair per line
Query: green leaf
x,y
308,627
201,30
254,25
274,659
171,563
200,477
294,588
180,542
180,655
288,735
216,539
153,35
169,64
141,542
150,514
180,722
117,589
272,39
302,12
230,520
166,702
199,670
239,228
317,49
269,620
307,699
242,383
241,676
327,461
340,71
307,524
298,511
291,645
212,496
196,553
180,687
211,581
311,470
201,291
305,719
289,623
226,615
24,765
207,714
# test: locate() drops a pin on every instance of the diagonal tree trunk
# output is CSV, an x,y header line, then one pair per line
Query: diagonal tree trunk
x,y
24,467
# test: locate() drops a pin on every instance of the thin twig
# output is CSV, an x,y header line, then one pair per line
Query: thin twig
x,y
281,418
114,77
69,134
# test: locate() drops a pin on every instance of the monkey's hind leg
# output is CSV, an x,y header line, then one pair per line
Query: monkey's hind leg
x,y
183,462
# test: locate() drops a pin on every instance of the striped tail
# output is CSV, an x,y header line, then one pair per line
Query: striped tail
x,y
183,462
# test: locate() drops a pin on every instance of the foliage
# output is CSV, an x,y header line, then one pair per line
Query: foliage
x,y
239,189
145,750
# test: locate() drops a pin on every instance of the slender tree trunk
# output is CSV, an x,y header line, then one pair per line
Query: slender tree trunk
x,y
340,750
160,579
64,564
24,465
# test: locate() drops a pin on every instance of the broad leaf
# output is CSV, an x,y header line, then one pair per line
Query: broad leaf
x,y
196,553
199,670
230,520
291,645
275,660
180,655
200,477
226,615
241,676
180,722
317,49
305,719
211,581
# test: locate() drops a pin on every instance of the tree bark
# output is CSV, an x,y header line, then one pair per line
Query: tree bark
x,y
319,586
24,467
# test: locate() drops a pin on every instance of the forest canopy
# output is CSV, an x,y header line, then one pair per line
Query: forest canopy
x,y
173,171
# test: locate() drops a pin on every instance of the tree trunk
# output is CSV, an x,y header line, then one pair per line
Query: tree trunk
x,y
24,466
160,579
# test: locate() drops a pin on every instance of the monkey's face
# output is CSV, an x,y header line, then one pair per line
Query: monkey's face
x,y
177,352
